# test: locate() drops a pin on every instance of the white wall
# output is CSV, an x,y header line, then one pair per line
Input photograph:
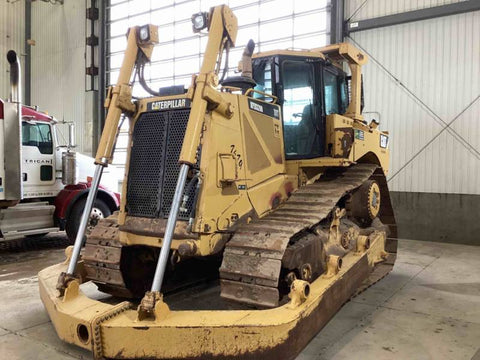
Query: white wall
x,y
12,37
376,8
422,76
58,65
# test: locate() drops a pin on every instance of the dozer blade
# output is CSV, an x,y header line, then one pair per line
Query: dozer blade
x,y
113,331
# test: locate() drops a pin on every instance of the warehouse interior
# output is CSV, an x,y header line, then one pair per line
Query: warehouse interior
x,y
421,84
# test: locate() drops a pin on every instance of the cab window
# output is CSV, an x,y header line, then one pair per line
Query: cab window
x,y
336,93
262,74
39,135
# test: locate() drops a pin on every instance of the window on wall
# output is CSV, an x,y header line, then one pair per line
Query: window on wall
x,y
272,24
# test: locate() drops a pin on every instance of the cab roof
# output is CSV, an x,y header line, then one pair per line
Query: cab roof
x,y
29,113
290,52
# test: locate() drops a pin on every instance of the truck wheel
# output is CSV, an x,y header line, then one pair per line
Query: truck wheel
x,y
100,210
37,235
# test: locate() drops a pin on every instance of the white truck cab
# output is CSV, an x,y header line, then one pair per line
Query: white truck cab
x,y
43,183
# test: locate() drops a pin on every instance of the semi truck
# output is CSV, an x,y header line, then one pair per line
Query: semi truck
x,y
44,182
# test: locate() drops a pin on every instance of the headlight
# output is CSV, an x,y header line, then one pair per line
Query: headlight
x,y
383,141
199,21
144,33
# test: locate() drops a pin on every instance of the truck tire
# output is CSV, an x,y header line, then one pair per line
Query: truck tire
x,y
37,235
100,210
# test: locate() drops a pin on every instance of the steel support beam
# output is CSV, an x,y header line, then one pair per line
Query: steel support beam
x,y
415,15
336,21
28,53
99,119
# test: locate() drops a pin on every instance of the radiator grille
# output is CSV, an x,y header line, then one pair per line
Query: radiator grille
x,y
153,170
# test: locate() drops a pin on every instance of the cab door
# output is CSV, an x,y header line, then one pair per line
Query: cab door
x,y
303,123
38,168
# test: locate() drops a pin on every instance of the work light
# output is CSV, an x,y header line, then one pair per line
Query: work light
x,y
199,21
144,33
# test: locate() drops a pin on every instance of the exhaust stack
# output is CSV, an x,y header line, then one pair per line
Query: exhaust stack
x,y
15,77
247,59
13,132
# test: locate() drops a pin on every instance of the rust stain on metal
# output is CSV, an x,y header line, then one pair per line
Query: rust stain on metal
x,y
289,188
155,227
345,137
275,200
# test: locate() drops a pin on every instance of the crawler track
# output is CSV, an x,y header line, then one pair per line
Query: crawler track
x,y
252,262
127,271
102,255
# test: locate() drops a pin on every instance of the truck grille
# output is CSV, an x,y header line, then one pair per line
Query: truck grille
x,y
153,171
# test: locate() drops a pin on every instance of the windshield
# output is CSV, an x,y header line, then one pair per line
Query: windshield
x,y
39,135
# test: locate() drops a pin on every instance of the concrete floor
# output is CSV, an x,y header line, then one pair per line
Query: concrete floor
x,y
427,308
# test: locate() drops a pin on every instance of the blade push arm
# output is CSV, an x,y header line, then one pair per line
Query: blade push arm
x,y
222,26
222,32
139,49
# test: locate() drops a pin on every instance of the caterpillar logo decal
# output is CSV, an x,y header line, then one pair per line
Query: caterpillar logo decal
x,y
168,104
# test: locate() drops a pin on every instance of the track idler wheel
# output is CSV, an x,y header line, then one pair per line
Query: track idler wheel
x,y
364,203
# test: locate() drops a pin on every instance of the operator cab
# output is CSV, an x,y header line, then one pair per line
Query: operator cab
x,y
308,88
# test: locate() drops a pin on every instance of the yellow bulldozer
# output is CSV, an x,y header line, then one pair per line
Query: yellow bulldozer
x,y
253,207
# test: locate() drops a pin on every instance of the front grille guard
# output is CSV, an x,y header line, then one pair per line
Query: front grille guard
x,y
153,168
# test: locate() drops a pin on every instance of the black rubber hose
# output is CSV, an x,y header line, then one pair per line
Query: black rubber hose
x,y
191,183
141,78
195,197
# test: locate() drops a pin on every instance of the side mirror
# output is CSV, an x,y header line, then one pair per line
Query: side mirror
x,y
71,135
